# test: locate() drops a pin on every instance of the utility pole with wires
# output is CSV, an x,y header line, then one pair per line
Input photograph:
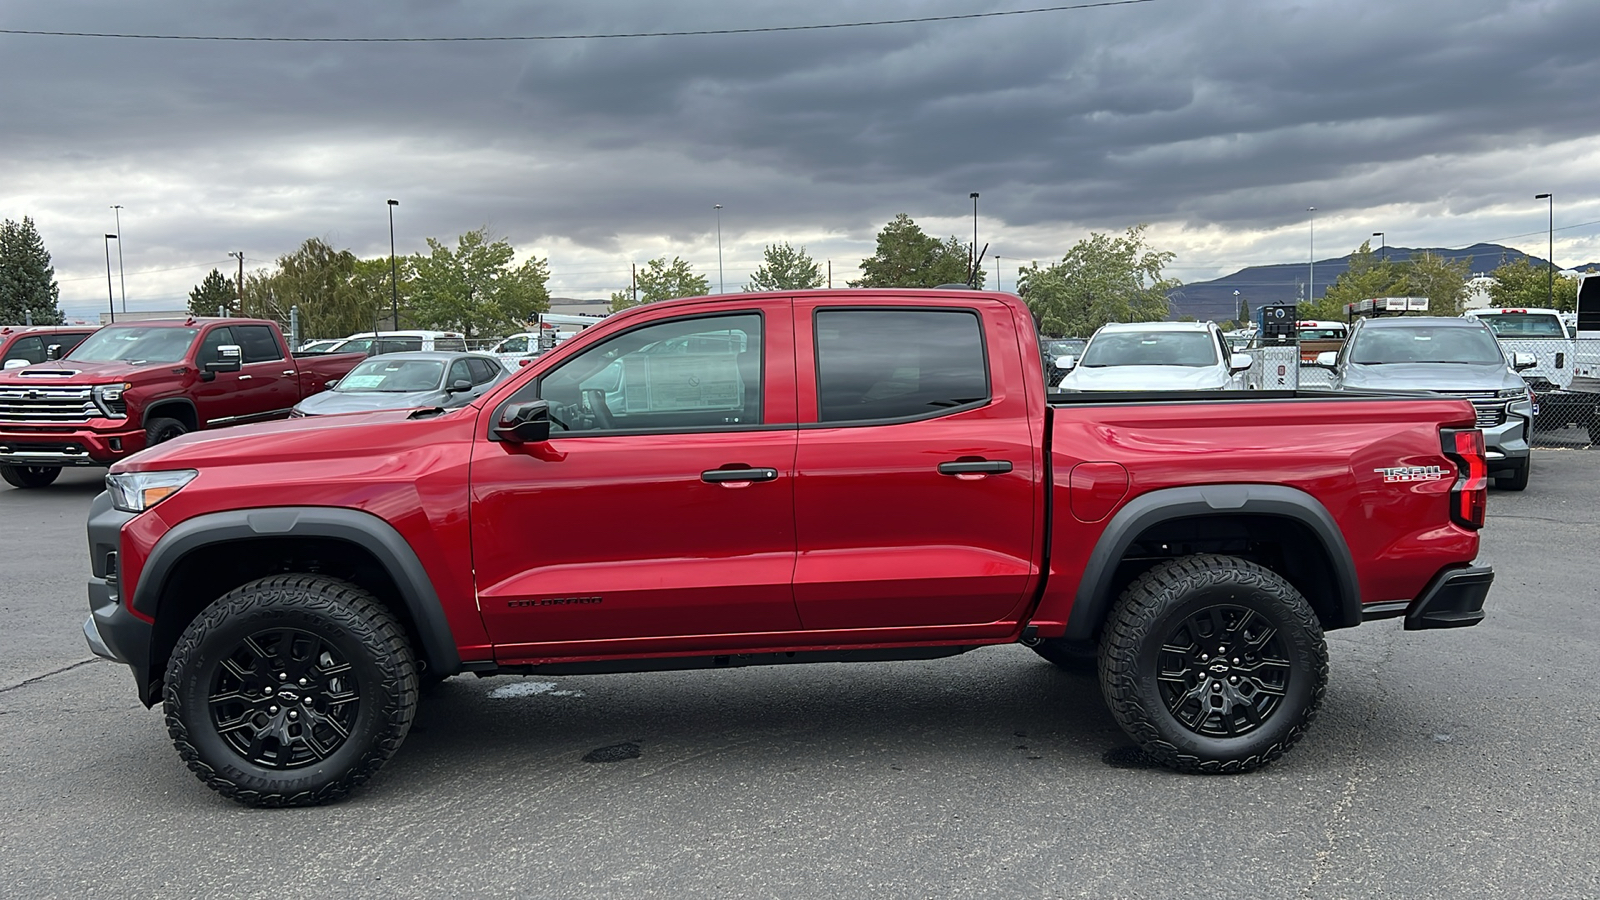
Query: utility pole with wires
x,y
121,275
239,254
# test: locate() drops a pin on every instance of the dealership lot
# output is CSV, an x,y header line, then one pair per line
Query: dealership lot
x,y
1446,763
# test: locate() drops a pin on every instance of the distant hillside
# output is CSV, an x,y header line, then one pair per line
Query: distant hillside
x,y
1285,283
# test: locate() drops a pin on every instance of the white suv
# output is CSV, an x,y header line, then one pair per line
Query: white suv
x,y
1156,356
376,343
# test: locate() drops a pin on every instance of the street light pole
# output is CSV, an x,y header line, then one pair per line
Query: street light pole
x,y
121,275
722,285
1311,273
111,299
394,288
972,270
1550,279
1383,242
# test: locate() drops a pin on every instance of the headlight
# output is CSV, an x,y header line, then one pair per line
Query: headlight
x,y
136,492
109,398
1512,394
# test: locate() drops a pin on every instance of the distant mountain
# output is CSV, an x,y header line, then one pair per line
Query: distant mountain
x,y
1286,282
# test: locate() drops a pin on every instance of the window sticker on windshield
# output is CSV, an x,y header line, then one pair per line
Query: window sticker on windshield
x,y
355,382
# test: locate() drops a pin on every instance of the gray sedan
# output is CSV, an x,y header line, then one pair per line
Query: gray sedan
x,y
407,381
1457,357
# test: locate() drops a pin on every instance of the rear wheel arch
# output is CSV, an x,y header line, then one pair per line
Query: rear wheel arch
x,y
205,557
1282,528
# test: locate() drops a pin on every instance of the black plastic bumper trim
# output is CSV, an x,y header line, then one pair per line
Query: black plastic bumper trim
x,y
1453,600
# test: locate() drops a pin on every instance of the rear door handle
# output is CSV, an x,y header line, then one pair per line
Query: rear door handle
x,y
245,377
732,476
288,371
975,467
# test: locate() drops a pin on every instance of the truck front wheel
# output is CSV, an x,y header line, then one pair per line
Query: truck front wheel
x,y
292,690
29,476
160,430
1213,664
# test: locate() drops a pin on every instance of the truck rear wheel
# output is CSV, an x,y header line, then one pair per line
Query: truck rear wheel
x,y
1213,664
292,690
29,476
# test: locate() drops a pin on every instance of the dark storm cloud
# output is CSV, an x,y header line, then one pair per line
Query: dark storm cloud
x,y
1193,113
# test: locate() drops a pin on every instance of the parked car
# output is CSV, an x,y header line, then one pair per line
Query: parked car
x,y
133,385
1458,357
1317,338
407,381
827,476
378,343
325,345
1059,354
1155,356
26,345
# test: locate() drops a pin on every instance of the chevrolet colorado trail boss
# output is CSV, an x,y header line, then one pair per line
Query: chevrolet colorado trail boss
x,y
830,476
133,385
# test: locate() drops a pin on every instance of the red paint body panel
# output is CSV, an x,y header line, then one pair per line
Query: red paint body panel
x,y
859,541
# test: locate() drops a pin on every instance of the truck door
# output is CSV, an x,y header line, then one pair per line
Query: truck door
x,y
266,385
916,476
662,505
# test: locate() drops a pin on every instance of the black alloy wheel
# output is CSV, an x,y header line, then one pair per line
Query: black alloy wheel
x,y
284,698
160,430
1223,671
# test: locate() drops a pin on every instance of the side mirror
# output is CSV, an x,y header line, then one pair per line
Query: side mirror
x,y
458,386
52,352
1522,361
1327,359
16,363
1066,363
229,356
1239,362
524,423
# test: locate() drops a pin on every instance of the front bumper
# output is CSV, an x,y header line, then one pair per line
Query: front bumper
x,y
1507,445
68,446
112,630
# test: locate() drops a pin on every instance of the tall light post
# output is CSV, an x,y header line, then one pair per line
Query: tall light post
x,y
1311,267
394,288
972,270
122,275
239,285
722,286
111,299
1383,243
1550,279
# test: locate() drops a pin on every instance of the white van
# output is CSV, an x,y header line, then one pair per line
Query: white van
x,y
380,342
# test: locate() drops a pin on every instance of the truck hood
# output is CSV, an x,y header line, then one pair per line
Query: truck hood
x,y
285,439
1443,377
66,371
335,402
1145,378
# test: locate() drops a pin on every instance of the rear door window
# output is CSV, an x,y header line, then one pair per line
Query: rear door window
x,y
483,371
876,365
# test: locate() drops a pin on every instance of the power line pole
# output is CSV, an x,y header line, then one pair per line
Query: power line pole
x,y
240,283
121,275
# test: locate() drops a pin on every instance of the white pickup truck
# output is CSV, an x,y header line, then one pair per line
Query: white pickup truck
x,y
1542,334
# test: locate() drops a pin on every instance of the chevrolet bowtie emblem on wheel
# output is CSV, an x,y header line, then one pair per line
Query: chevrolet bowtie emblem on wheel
x,y
1410,473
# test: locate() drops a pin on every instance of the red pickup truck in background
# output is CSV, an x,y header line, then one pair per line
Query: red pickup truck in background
x,y
24,345
826,476
132,385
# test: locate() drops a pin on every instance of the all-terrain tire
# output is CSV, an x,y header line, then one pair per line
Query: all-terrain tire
x,y
1518,479
161,429
1196,710
292,690
29,476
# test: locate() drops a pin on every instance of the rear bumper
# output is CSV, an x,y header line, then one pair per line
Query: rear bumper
x,y
75,447
1453,599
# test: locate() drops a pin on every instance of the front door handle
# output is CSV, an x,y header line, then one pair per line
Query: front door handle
x,y
288,371
734,476
244,377
975,467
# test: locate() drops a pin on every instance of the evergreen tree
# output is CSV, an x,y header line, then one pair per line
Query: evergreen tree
x,y
28,286
213,293
786,269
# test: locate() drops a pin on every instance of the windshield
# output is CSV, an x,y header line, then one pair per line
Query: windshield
x,y
1194,349
136,343
1071,347
1524,325
1322,334
1421,344
393,376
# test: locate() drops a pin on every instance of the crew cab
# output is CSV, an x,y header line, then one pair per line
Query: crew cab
x,y
133,385
29,344
827,476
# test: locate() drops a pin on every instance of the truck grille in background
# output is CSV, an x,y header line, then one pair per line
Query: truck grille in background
x,y
1490,412
47,404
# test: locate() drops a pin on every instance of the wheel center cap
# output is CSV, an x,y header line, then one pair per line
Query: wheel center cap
x,y
1219,667
288,695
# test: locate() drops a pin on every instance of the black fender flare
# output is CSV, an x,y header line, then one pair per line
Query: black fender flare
x,y
156,407
362,529
1093,599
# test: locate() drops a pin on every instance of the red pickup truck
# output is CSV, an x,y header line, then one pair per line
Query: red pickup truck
x,y
132,385
815,476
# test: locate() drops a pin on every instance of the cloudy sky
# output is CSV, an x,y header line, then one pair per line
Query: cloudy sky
x,y
1217,122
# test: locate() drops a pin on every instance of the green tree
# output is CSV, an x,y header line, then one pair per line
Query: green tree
x,y
1442,281
321,282
27,279
474,287
785,268
1101,279
661,280
1242,317
212,293
908,257
1366,277
1521,283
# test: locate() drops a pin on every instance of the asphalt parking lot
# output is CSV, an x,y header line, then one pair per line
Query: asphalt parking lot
x,y
1445,764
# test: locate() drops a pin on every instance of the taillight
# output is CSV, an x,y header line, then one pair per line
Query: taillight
x,y
1469,496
